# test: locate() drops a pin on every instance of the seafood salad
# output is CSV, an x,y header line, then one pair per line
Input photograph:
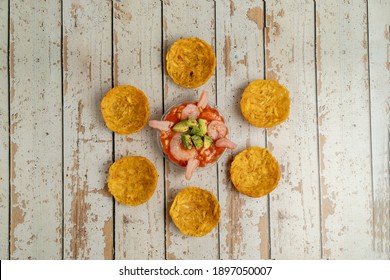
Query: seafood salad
x,y
193,134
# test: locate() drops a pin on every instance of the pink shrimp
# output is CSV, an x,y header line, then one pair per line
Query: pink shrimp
x,y
178,151
204,98
225,143
161,125
190,111
216,129
191,166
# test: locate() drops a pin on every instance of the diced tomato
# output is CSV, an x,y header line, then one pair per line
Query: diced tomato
x,y
210,114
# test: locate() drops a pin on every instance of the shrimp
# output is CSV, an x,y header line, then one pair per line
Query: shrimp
x,y
216,129
190,111
161,125
191,166
178,151
225,143
204,98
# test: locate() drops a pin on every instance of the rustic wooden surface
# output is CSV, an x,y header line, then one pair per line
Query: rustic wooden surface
x,y
87,144
139,231
58,59
4,136
244,226
35,130
294,206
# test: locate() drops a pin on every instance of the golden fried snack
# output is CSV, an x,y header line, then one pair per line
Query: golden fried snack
x,y
132,180
195,211
265,103
125,109
190,62
255,172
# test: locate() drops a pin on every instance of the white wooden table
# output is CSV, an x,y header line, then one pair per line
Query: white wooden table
x,y
58,58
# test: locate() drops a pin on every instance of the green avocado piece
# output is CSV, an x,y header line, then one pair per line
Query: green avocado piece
x,y
197,140
191,122
195,131
202,127
207,142
181,127
186,140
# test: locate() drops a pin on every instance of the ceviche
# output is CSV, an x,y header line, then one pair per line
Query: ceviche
x,y
193,134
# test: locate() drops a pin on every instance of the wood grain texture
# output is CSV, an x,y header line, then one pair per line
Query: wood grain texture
x,y
36,142
183,19
4,135
244,225
344,130
333,199
379,58
88,206
140,230
290,59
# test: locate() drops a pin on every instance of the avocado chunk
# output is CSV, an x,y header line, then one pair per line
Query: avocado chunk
x,y
191,122
181,127
186,140
195,130
202,127
197,140
207,142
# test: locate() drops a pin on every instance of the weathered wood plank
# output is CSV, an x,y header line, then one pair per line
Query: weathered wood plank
x,y
290,59
183,19
88,206
4,139
244,226
344,130
379,58
36,130
140,230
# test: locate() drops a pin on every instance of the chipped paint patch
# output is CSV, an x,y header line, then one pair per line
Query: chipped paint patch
x,y
165,25
256,15
17,218
365,40
322,118
244,61
121,13
270,147
281,13
14,149
74,13
263,228
65,52
171,256
89,74
80,126
271,74
234,239
365,63
298,188
328,207
381,225
232,8
226,59
108,240
79,218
